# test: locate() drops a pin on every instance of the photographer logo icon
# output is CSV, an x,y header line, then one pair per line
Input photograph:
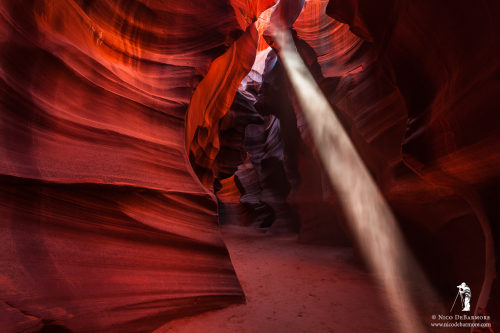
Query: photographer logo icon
x,y
465,295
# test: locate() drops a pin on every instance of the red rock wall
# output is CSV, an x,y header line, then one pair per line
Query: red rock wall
x,y
231,210
374,113
212,100
435,217
442,57
260,214
104,225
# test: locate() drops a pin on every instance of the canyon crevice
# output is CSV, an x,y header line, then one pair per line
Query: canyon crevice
x,y
131,130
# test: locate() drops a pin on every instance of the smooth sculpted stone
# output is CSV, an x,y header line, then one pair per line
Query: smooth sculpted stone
x,y
443,59
211,101
104,226
130,130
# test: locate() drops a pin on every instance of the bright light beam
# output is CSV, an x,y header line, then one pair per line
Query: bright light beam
x,y
370,218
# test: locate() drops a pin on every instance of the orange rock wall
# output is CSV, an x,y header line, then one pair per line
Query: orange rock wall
x,y
104,225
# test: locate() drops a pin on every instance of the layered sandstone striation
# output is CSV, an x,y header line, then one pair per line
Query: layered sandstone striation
x,y
131,129
442,59
105,227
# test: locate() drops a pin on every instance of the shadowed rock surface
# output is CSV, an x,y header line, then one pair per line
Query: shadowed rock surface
x,y
130,130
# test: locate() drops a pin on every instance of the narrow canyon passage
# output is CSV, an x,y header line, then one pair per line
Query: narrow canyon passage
x,y
293,287
249,166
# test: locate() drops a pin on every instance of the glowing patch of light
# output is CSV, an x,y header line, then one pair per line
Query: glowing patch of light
x,y
257,71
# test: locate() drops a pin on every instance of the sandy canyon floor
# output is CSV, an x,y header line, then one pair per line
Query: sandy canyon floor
x,y
292,287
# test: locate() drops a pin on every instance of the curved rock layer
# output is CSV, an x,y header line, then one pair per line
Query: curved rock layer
x,y
105,227
443,59
211,101
120,119
231,210
105,260
373,110
232,134
260,214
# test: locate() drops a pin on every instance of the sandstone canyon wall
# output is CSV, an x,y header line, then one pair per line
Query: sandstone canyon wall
x,y
442,57
104,225
130,129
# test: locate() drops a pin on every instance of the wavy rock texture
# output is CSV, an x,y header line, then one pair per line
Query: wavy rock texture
x,y
248,12
232,134
263,143
231,210
434,218
120,119
212,99
302,170
105,228
105,260
246,179
442,58
232,154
